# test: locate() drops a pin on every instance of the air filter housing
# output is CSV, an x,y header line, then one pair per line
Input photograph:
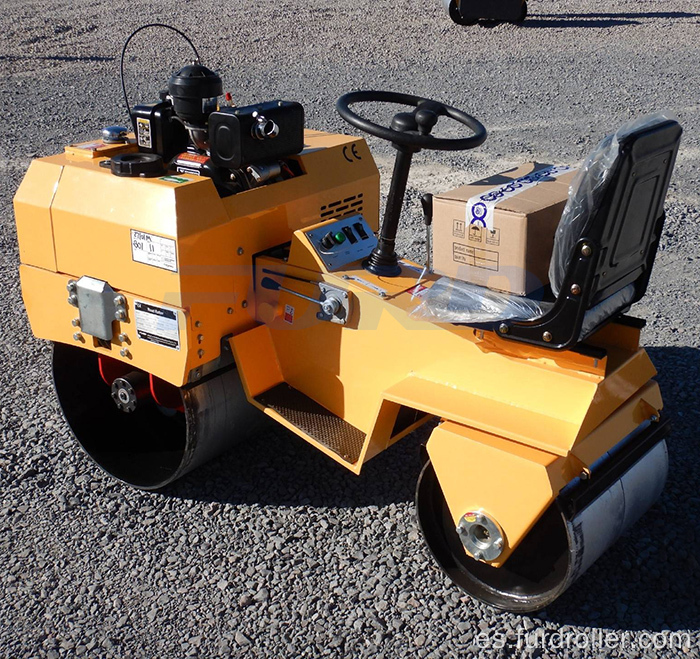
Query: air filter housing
x,y
194,90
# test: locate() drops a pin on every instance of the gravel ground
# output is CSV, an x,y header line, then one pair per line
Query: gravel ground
x,y
275,551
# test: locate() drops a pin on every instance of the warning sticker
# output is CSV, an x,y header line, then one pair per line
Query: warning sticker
x,y
157,325
150,249
193,157
417,291
288,313
174,179
143,132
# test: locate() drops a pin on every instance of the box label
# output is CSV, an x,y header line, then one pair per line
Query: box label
x,y
476,233
475,256
479,209
150,249
493,237
157,325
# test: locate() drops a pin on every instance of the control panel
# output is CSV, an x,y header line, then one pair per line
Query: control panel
x,y
342,241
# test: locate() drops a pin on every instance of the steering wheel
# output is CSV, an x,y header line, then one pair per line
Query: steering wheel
x,y
411,130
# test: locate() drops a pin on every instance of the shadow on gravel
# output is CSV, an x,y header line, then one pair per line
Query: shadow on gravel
x,y
278,468
600,20
56,58
650,579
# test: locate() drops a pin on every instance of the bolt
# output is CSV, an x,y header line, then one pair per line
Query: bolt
x,y
498,543
75,322
197,375
73,300
200,338
547,336
586,250
478,555
575,289
346,276
123,338
244,304
583,475
653,418
200,352
119,301
240,251
78,336
382,293
197,323
124,352
503,328
71,286
229,310
120,314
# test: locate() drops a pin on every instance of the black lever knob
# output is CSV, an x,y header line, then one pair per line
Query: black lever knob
x,y
427,202
270,284
426,120
404,121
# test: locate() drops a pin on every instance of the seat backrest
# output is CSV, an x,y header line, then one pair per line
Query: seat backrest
x,y
606,242
617,201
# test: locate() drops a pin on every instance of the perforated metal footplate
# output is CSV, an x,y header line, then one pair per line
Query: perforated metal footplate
x,y
315,420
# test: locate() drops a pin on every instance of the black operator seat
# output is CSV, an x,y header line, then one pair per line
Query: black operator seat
x,y
604,246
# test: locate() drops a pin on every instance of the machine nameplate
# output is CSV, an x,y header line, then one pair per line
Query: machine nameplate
x,y
150,249
157,324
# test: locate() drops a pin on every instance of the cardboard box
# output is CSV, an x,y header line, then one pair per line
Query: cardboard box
x,y
499,232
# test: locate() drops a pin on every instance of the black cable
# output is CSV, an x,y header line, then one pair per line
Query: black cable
x,y
126,43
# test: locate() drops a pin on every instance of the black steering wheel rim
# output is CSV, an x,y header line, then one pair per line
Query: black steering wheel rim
x,y
410,139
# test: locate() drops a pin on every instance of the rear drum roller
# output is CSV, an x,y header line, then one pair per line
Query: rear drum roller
x,y
456,15
555,552
523,14
138,441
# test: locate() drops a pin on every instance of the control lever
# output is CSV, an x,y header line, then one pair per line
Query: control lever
x,y
427,202
334,306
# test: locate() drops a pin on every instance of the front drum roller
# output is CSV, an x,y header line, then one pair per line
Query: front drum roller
x,y
134,438
558,549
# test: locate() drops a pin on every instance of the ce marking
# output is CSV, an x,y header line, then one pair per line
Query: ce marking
x,y
349,151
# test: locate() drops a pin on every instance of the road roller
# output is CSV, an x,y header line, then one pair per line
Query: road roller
x,y
216,262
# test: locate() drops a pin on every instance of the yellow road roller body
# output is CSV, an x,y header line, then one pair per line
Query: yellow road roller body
x,y
74,217
181,300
